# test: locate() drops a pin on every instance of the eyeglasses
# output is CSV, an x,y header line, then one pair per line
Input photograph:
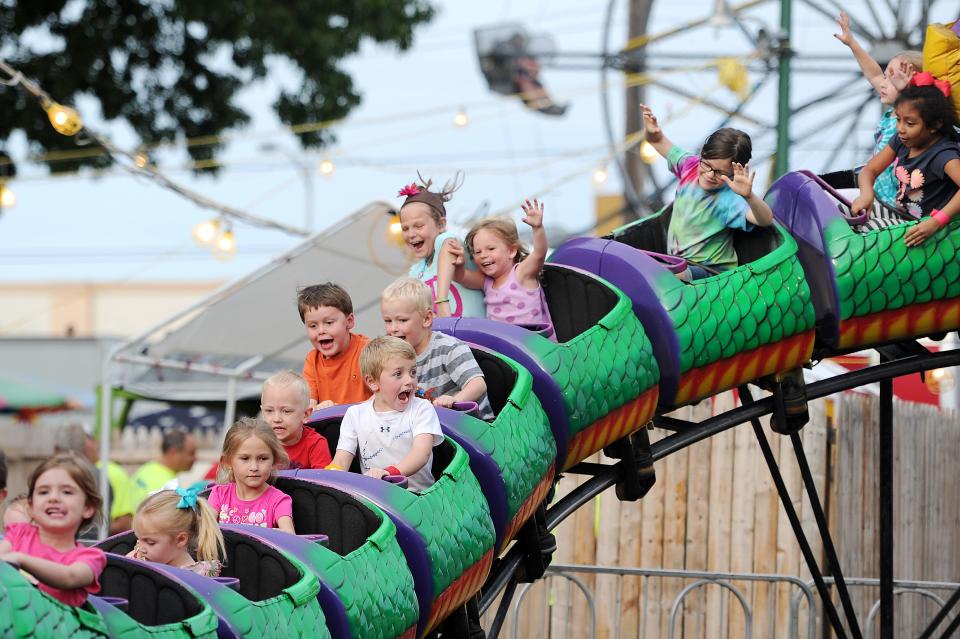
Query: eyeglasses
x,y
716,173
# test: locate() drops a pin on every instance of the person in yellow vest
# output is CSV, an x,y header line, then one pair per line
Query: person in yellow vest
x,y
178,452
75,438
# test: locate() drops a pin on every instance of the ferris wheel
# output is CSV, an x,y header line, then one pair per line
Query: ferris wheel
x,y
768,67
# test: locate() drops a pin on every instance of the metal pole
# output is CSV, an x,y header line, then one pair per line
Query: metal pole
x,y
783,104
885,471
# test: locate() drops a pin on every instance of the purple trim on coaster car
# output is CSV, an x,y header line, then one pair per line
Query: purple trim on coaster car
x,y
297,545
333,412
414,547
511,340
208,588
852,220
801,205
632,271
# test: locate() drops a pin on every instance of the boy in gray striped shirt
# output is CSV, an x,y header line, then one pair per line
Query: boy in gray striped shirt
x,y
447,372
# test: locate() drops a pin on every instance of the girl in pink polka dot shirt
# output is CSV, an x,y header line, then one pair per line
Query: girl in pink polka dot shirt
x,y
509,275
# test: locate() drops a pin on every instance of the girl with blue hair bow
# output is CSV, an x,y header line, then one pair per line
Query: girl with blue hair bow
x,y
179,528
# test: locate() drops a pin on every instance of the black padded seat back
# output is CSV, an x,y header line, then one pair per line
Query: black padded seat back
x,y
752,245
263,572
154,599
330,429
499,376
322,510
442,456
649,235
577,301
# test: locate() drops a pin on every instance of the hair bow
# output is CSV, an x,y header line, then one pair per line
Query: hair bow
x,y
408,190
926,79
188,496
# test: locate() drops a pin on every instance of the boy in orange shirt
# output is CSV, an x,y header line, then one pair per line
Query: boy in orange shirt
x,y
332,369
285,405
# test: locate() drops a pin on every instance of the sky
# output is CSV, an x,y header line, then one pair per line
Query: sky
x,y
117,228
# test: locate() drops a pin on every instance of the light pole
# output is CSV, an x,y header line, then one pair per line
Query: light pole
x,y
306,172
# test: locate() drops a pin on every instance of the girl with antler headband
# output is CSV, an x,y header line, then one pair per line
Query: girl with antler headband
x,y
925,155
423,223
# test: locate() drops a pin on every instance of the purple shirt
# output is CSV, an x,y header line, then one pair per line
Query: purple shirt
x,y
514,304
263,511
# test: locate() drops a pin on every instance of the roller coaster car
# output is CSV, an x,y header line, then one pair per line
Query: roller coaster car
x,y
598,382
714,333
868,288
158,606
262,589
445,531
512,456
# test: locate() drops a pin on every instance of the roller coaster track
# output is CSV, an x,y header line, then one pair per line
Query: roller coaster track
x,y
502,580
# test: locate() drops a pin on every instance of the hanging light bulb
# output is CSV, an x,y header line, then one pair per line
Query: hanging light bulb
x,y
225,247
141,159
600,175
395,231
65,120
461,120
7,198
205,232
327,167
647,153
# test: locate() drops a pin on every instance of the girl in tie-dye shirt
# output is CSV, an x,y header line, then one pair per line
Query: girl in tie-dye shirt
x,y
715,195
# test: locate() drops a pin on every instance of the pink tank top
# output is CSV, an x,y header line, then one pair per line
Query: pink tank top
x,y
514,304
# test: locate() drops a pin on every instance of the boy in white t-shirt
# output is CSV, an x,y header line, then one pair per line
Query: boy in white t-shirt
x,y
394,430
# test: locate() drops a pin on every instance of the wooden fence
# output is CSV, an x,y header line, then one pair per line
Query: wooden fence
x,y
714,508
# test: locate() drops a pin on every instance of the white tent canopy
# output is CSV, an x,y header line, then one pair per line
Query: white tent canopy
x,y
251,327
225,345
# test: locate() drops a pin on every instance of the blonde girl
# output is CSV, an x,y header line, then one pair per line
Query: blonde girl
x,y
509,275
251,456
179,528
62,498
423,225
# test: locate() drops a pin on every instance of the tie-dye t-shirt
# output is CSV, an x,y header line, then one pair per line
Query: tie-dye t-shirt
x,y
701,223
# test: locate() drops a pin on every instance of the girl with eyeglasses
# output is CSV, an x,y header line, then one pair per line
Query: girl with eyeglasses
x,y
714,197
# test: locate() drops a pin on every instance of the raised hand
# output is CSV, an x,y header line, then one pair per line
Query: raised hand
x,y
742,182
844,36
899,73
532,214
651,128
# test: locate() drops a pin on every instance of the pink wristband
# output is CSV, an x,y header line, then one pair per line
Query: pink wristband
x,y
940,216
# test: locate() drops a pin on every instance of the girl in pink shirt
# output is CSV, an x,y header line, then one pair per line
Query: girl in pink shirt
x,y
251,456
63,498
179,528
509,275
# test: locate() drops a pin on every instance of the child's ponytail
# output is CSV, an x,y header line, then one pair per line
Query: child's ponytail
x,y
209,541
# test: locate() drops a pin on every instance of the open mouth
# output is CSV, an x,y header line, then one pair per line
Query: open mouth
x,y
404,396
416,245
325,344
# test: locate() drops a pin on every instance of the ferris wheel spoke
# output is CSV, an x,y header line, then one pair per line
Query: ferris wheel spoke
x,y
897,14
843,139
683,93
833,92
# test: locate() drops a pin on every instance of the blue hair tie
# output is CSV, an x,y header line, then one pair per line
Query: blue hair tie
x,y
188,496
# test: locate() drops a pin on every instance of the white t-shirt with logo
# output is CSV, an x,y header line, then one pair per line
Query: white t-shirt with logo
x,y
385,438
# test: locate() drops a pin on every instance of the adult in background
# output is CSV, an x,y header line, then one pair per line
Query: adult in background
x,y
178,452
74,438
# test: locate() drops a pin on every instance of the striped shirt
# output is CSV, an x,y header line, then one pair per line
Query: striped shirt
x,y
445,367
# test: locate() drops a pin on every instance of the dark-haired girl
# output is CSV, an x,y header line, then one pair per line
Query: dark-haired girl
x,y
926,157
714,197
